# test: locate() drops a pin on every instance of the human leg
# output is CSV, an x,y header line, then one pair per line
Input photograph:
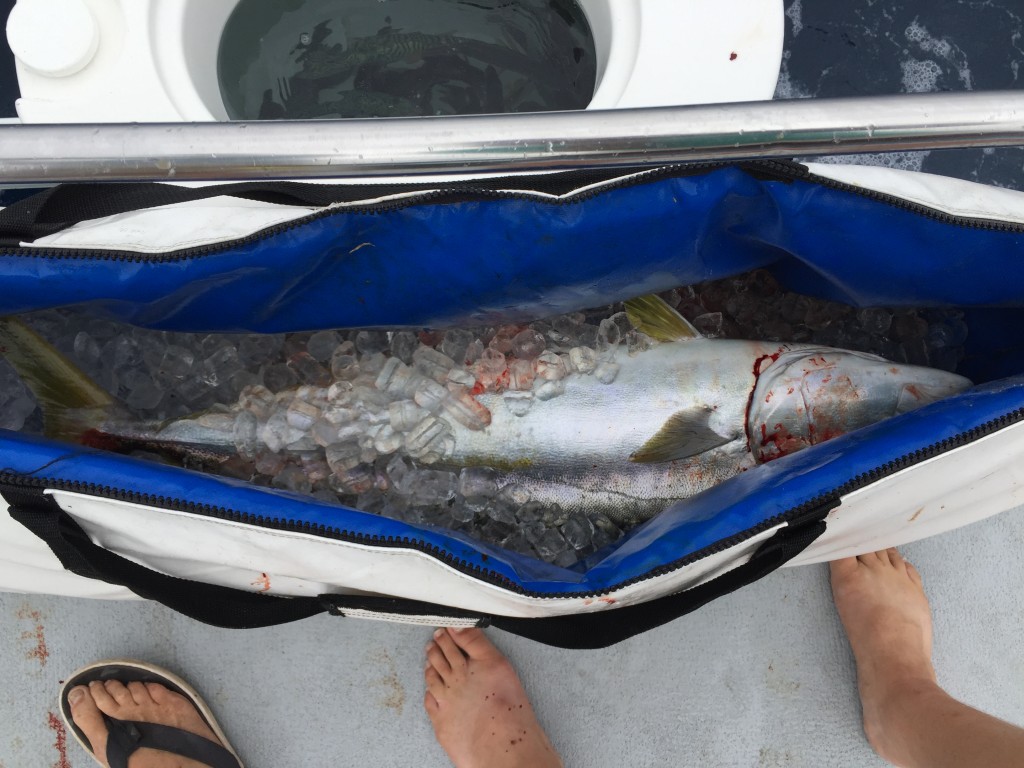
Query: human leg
x,y
909,720
478,707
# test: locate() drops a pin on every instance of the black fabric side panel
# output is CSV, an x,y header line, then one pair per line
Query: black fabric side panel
x,y
211,604
61,206
600,630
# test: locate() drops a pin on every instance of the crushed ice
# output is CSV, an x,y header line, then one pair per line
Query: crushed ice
x,y
365,418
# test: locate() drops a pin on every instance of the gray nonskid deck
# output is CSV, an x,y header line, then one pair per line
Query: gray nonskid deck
x,y
761,678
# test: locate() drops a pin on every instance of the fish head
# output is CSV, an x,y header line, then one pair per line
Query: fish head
x,y
805,396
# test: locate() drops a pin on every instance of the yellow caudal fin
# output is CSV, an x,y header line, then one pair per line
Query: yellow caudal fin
x,y
68,398
652,315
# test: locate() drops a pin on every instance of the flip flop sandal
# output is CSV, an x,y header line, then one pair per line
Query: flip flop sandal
x,y
126,737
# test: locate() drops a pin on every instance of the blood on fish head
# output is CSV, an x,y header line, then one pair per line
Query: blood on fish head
x,y
811,395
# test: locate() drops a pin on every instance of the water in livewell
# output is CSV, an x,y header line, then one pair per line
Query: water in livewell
x,y
302,59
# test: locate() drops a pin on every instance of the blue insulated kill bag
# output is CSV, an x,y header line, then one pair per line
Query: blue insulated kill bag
x,y
275,257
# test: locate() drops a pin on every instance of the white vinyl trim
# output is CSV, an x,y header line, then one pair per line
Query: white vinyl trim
x,y
948,195
298,564
962,486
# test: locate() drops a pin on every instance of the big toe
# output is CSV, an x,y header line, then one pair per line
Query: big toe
x,y
475,644
88,717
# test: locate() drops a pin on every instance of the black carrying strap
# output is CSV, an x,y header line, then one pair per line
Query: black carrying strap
x,y
124,738
238,609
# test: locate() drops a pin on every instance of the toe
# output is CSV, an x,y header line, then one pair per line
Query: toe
x,y
895,559
119,692
430,704
88,717
842,569
455,657
158,692
912,572
106,703
435,685
139,693
437,659
475,643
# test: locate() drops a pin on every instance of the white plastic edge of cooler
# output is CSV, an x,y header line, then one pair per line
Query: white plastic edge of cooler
x,y
962,486
216,220
155,60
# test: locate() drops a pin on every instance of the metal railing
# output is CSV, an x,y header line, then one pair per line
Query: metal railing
x,y
318,149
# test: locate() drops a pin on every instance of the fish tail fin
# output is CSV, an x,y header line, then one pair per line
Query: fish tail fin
x,y
653,315
71,402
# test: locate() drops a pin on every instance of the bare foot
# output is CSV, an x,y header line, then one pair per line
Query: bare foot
x,y
135,702
478,707
882,605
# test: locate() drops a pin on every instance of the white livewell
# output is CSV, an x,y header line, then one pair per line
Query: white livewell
x,y
90,61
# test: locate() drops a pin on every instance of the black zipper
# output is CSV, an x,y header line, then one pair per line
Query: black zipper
x,y
814,509
774,170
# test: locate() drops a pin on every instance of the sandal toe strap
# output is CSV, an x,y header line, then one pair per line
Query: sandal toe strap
x,y
126,737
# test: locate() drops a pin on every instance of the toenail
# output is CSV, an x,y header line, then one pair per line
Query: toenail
x,y
438,632
75,695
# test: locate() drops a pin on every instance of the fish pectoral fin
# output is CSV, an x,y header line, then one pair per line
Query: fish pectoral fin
x,y
652,315
685,434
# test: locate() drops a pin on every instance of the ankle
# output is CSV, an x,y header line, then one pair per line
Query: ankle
x,y
891,710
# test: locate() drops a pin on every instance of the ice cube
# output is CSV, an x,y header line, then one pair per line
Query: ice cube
x,y
404,415
87,350
142,392
371,342
608,334
456,342
477,481
606,371
549,390
583,359
343,456
521,375
432,364
302,415
278,377
430,395
292,478
491,370
461,377
466,409
474,351
387,440
528,344
578,531
245,434
321,345
344,366
403,345
519,403
425,436
551,367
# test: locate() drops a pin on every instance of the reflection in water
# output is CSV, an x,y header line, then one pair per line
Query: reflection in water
x,y
306,59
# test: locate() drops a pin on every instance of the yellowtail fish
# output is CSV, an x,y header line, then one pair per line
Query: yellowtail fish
x,y
626,435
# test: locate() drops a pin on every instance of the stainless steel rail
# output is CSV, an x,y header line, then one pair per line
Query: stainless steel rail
x,y
507,143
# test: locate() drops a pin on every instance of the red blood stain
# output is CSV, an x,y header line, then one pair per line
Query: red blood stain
x,y
263,582
913,391
758,366
40,652
608,600
768,397
588,601
732,56
61,741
